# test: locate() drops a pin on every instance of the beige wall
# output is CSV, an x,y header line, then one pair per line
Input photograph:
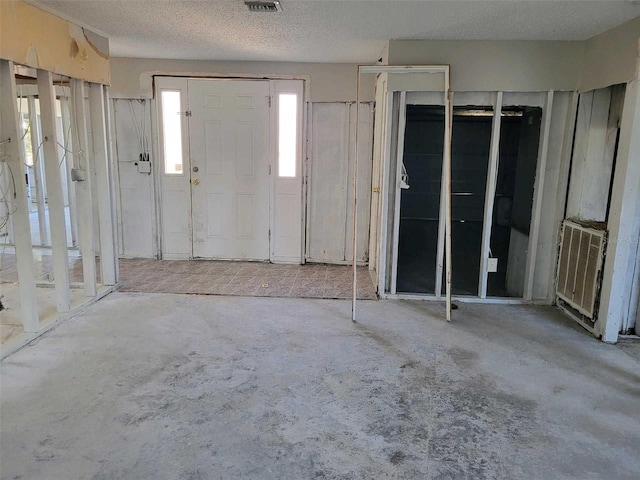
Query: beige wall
x,y
490,65
131,77
34,38
611,57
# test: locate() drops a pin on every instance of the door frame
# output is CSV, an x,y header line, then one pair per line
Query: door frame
x,y
277,84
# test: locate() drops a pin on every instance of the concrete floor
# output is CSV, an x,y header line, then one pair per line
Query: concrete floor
x,y
153,386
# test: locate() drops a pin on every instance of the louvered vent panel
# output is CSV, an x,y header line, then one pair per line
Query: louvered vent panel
x,y
581,255
263,6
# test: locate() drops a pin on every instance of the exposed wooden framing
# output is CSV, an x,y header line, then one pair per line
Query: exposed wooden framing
x,y
563,184
384,194
101,165
402,121
440,261
375,69
20,212
83,188
355,202
112,171
68,145
38,176
537,197
448,127
54,190
492,177
116,177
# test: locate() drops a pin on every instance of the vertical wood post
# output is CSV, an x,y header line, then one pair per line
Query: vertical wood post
x,y
54,189
68,145
14,151
448,127
537,197
36,155
101,162
492,176
83,187
114,179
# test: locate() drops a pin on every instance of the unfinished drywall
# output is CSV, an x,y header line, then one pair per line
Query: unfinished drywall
x,y
492,66
610,58
132,77
35,38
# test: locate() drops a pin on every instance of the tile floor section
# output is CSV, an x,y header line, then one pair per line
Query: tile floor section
x,y
243,279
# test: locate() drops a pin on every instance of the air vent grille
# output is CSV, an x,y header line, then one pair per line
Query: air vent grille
x,y
581,254
263,6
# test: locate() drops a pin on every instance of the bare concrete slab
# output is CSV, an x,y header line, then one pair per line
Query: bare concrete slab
x,y
152,386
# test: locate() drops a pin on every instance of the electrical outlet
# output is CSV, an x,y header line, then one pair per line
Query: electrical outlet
x,y
77,175
492,266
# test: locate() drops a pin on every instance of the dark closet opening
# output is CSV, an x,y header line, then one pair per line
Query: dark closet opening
x,y
420,204
513,203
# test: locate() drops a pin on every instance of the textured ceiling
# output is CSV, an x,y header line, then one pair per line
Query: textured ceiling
x,y
329,30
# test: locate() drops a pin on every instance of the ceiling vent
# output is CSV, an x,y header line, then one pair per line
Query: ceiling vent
x,y
263,6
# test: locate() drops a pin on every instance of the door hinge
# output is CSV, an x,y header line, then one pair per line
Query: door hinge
x,y
269,169
269,97
186,114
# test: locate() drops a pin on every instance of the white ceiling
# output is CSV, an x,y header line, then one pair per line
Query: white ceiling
x,y
329,30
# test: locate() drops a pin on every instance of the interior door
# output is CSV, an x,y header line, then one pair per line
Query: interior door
x,y
230,167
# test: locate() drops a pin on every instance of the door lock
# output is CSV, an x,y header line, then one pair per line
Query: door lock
x,y
195,181
195,169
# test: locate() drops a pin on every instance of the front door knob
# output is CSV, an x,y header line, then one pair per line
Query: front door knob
x,y
195,181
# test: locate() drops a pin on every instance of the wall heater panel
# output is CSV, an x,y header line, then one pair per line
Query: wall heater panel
x,y
582,249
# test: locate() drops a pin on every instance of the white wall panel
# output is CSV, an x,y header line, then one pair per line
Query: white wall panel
x,y
331,182
136,189
328,172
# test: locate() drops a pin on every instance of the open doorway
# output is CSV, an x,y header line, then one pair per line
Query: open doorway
x,y
512,207
420,228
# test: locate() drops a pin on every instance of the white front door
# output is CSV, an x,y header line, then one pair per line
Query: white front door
x,y
230,167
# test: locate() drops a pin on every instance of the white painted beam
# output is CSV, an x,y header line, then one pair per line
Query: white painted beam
x,y
448,132
385,131
13,149
101,128
563,185
625,202
534,231
492,177
54,190
68,145
402,123
83,188
36,152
